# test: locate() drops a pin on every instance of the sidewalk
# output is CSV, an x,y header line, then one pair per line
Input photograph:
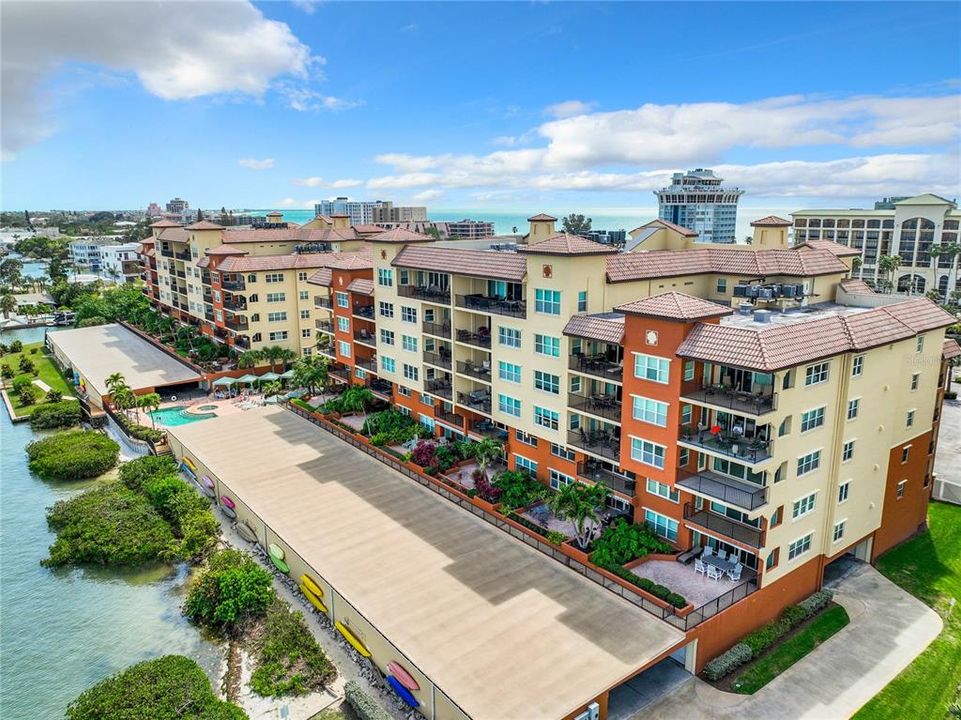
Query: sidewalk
x,y
888,629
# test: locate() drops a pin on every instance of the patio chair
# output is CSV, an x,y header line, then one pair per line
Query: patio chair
x,y
722,554
714,573
699,566
735,572
708,550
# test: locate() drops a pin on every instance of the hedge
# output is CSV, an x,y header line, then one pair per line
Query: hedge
x,y
755,643
289,659
139,432
73,455
363,704
56,415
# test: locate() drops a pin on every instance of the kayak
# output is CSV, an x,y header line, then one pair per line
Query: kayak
x,y
314,600
246,532
352,639
401,691
280,564
404,677
309,583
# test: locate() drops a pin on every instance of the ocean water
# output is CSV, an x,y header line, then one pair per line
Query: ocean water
x,y
64,630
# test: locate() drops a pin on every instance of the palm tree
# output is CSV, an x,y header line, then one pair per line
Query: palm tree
x,y
150,402
8,303
115,380
888,264
311,372
486,452
249,359
580,504
357,398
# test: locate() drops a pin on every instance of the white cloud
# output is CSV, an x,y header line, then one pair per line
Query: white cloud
x,y
411,27
176,52
569,108
304,99
308,6
320,182
252,164
290,202
428,195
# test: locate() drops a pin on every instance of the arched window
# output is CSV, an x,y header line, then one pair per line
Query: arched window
x,y
943,286
912,284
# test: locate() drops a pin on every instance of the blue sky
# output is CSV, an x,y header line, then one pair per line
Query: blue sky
x,y
476,105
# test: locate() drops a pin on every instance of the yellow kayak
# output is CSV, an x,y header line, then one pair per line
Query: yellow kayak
x,y
314,600
352,639
308,582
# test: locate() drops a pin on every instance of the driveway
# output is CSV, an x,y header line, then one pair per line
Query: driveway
x,y
888,629
947,462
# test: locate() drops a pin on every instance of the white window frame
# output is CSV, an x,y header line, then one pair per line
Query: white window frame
x,y
648,410
817,373
804,505
661,367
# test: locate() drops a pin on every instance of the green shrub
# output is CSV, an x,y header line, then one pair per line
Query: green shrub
x,y
518,489
140,432
289,660
6,372
56,415
136,473
21,383
766,635
26,364
555,538
728,662
303,405
73,455
620,543
54,396
16,346
363,704
795,614
169,688
27,397
232,589
817,602
187,513
392,427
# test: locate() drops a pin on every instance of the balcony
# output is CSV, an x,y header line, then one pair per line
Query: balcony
x,y
242,341
595,472
716,524
322,302
327,351
598,404
365,312
205,277
732,398
487,429
441,330
166,252
730,491
233,285
449,417
324,326
438,359
365,337
235,305
481,371
237,323
339,371
185,255
477,339
427,293
181,274
476,400
597,442
751,449
597,365
487,304
381,388
368,364
441,387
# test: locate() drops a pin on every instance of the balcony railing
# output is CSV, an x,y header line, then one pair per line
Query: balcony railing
x,y
322,302
327,351
325,326
744,448
242,341
364,311
237,323
475,370
486,428
340,372
724,526
437,359
380,387
601,405
185,255
233,285
437,329
729,491
365,337
235,305
451,418
368,364
734,399
477,339
597,473
477,400
487,304
166,253
597,366
596,442
440,387
427,293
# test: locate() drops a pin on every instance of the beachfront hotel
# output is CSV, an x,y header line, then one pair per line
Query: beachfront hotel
x,y
755,400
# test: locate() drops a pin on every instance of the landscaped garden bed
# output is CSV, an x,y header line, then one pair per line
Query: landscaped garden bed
x,y
20,365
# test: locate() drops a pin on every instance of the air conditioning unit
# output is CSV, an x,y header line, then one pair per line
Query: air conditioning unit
x,y
740,291
593,712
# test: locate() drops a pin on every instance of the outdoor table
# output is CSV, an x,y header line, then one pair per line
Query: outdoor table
x,y
724,566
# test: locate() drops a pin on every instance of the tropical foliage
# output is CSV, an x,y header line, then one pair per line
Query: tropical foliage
x,y
73,455
392,427
56,415
621,542
580,504
289,660
518,489
231,590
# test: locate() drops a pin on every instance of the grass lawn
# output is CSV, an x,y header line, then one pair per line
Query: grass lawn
x,y
49,373
784,655
929,567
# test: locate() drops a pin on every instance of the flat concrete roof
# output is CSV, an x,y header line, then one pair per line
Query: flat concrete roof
x,y
100,351
501,629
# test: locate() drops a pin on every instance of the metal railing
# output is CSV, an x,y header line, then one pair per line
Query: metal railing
x,y
423,292
437,329
233,285
487,304
476,402
601,405
723,525
365,337
746,449
730,491
440,387
368,364
733,399
596,474
606,369
596,443
383,388
236,323
364,311
451,417
322,302
437,359
324,326
474,370
477,339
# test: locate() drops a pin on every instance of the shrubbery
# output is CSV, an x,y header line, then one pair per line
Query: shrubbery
x,y
168,688
74,455
56,415
518,489
423,453
392,427
140,432
363,704
621,542
289,660
136,473
756,642
232,589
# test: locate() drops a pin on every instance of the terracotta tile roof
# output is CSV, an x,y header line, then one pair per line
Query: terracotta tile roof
x,y
675,306
476,263
400,235
325,218
226,250
294,261
147,251
669,225
205,225
831,246
148,240
564,244
803,262
368,228
360,260
164,224
783,346
608,327
951,349
541,216
853,286
174,234
771,221
324,276
203,262
234,236
361,286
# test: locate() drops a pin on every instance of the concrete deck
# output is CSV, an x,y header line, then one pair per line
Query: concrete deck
x,y
697,588
501,629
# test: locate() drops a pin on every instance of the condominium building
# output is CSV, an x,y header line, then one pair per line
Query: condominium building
x,y
470,229
754,399
177,206
86,252
120,262
697,201
922,231
366,212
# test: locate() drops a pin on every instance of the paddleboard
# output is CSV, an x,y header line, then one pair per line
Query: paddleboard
x,y
276,551
314,600
190,463
352,639
187,471
401,691
280,564
228,512
207,481
246,532
227,502
403,677
308,581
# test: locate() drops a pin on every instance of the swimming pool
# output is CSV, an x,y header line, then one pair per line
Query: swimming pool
x,y
206,408
171,417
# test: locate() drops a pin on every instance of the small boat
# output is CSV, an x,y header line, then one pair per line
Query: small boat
x,y
246,532
314,600
227,502
402,692
207,481
403,677
203,488
184,468
228,512
276,551
280,564
352,639
308,582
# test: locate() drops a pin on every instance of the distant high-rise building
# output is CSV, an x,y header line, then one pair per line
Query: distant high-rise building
x,y
470,229
154,210
177,205
367,212
695,200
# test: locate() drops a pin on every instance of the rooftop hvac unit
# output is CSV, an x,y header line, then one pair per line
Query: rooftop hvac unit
x,y
593,712
745,308
762,316
766,293
740,291
788,291
753,291
799,291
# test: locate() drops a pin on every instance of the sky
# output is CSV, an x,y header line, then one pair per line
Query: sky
x,y
496,106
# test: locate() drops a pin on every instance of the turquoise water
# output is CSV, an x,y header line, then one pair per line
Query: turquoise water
x,y
63,630
172,417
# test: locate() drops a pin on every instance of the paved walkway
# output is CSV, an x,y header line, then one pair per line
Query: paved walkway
x,y
888,629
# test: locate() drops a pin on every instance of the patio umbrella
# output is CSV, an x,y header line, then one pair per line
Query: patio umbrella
x,y
225,381
287,375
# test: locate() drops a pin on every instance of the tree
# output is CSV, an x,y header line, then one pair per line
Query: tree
x,y
311,372
580,504
8,303
249,359
150,402
888,264
576,224
934,295
357,398
275,354
856,264
114,381
485,452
